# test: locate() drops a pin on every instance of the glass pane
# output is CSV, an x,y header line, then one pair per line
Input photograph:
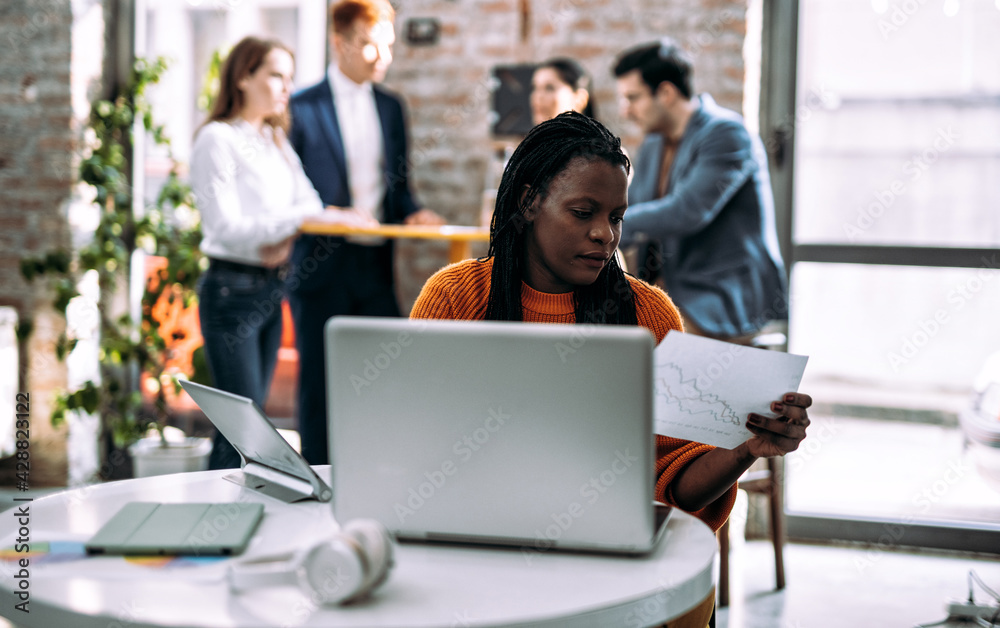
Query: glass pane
x,y
896,327
907,473
894,354
897,128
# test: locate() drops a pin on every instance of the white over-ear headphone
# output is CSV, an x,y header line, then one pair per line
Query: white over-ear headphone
x,y
335,570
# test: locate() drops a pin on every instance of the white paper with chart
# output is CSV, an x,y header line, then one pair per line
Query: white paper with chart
x,y
704,389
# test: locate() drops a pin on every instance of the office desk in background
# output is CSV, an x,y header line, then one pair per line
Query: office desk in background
x,y
460,238
281,402
431,585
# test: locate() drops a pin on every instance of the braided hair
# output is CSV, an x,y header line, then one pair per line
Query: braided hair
x,y
541,156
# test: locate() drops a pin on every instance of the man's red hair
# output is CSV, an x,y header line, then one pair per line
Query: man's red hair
x,y
344,14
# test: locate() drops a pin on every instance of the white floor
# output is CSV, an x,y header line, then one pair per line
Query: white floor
x,y
855,587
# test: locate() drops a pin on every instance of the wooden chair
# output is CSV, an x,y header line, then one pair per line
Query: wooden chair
x,y
767,481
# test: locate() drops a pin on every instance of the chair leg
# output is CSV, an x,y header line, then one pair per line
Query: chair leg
x,y
777,522
723,535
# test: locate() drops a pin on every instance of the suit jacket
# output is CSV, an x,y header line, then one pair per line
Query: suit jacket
x,y
716,227
316,137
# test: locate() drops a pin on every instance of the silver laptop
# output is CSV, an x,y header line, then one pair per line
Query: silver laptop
x,y
538,436
270,465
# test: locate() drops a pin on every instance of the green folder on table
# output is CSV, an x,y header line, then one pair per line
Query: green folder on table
x,y
154,529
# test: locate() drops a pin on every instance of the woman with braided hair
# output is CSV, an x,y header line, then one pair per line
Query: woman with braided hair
x,y
555,229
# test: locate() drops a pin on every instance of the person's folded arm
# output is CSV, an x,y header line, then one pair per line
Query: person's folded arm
x,y
673,458
710,476
724,163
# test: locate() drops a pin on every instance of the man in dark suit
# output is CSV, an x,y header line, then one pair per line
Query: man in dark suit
x,y
701,190
350,134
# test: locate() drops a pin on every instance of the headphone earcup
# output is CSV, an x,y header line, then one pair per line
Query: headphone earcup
x,y
335,569
376,543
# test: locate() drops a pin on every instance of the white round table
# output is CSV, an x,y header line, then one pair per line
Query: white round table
x,y
431,585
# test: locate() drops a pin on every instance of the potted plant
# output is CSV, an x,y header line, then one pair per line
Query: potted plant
x,y
150,353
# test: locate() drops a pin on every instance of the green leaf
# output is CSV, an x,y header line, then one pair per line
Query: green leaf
x,y
58,260
58,416
61,349
24,328
104,108
28,269
90,397
65,292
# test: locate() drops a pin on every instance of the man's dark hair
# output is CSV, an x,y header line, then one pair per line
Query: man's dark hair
x,y
538,159
658,62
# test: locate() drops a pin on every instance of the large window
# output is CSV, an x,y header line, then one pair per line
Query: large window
x,y
901,144
896,241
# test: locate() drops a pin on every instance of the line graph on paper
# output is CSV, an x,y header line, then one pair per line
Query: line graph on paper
x,y
703,389
681,392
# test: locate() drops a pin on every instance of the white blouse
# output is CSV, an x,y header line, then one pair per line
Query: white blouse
x,y
250,191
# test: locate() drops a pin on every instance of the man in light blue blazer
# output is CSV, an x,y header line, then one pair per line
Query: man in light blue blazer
x,y
701,190
350,134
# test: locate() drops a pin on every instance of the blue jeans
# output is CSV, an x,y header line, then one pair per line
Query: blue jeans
x,y
240,316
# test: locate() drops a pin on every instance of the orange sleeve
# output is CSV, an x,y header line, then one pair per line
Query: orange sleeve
x,y
434,300
654,309
672,456
458,291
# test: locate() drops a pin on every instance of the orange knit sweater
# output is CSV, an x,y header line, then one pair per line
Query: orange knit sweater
x,y
460,291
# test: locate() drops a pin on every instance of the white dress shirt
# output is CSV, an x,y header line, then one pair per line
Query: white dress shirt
x,y
361,132
250,190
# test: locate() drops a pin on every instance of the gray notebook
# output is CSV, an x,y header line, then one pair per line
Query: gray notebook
x,y
152,529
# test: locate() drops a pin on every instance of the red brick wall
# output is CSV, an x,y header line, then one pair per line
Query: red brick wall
x,y
36,139
39,142
449,100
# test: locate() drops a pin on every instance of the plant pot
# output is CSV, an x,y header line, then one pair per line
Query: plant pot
x,y
150,457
